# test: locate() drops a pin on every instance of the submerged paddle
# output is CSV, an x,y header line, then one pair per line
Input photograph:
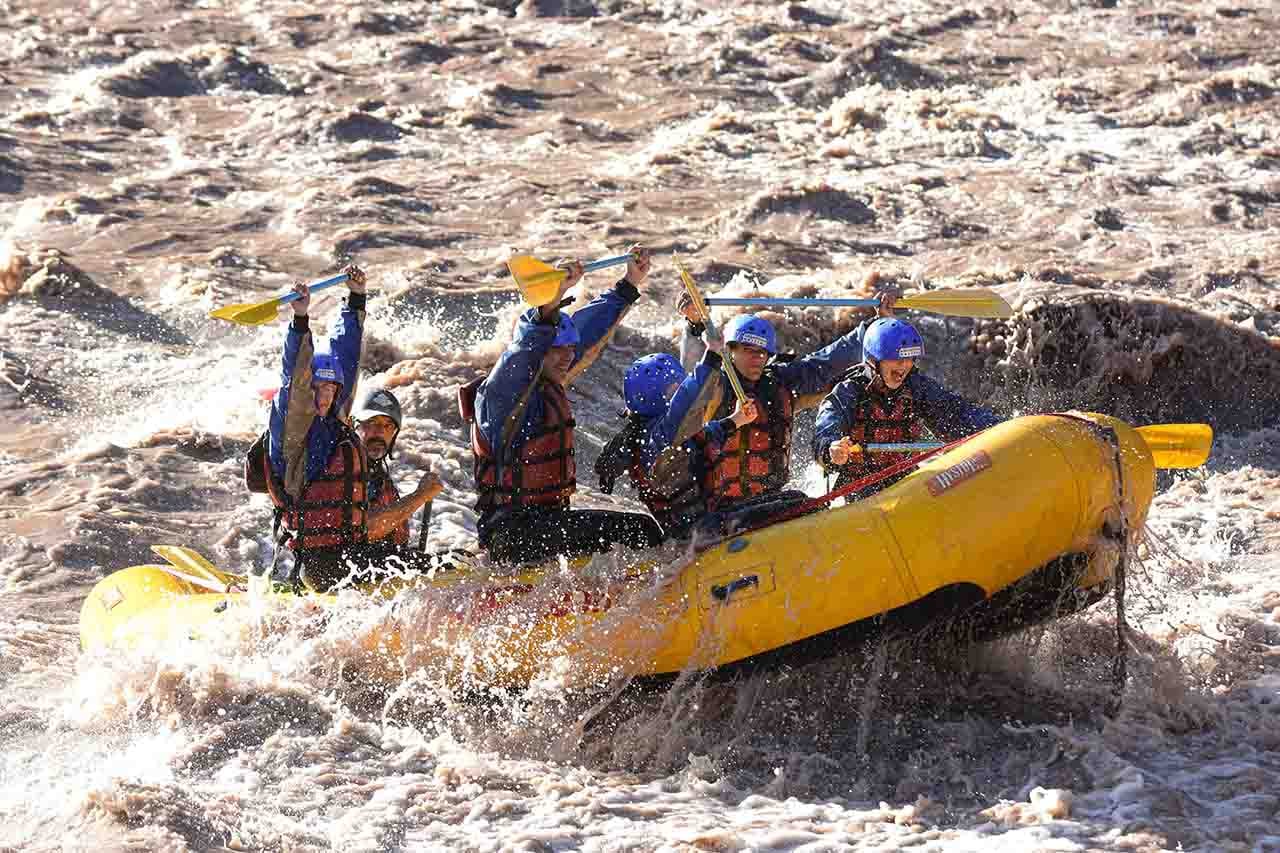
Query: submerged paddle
x,y
691,287
961,302
193,561
259,313
205,574
539,282
1171,445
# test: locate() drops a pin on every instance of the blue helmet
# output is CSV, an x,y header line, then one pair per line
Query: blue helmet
x,y
889,337
325,367
753,331
566,333
646,381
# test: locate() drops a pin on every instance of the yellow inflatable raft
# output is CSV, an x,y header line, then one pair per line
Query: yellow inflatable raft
x,y
1013,526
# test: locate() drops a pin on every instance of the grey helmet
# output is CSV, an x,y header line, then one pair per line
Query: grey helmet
x,y
375,402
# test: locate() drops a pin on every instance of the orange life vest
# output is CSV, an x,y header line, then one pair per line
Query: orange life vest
x,y
756,458
878,418
543,472
384,492
333,510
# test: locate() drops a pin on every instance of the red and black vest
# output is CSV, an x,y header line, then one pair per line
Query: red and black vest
x,y
543,471
669,491
333,510
879,418
756,458
674,497
383,493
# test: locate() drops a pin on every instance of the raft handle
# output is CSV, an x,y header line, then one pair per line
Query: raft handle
x,y
721,592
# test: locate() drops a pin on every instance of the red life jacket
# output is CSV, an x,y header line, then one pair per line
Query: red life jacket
x,y
543,472
670,491
756,458
384,493
333,510
878,418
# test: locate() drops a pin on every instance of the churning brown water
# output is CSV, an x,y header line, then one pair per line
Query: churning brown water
x,y
1113,168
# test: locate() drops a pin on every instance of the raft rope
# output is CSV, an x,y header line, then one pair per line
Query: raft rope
x,y
1119,672
848,488
1120,663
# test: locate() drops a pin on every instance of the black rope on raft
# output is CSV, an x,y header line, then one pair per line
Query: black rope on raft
x,y
1119,669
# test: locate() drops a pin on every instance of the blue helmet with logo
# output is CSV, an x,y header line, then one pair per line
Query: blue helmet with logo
x,y
753,331
646,381
889,337
566,333
325,367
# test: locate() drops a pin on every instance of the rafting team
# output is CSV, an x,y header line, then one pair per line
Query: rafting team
x,y
699,461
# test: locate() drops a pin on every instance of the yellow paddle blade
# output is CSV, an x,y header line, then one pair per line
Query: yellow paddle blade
x,y
691,287
249,314
1178,445
539,283
961,302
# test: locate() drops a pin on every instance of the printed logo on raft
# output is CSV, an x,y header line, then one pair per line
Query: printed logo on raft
x,y
958,473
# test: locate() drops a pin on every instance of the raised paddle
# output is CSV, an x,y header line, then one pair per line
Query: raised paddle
x,y
961,302
426,522
539,282
691,287
259,313
1171,445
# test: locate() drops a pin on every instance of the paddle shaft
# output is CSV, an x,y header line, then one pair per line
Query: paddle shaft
x,y
793,300
900,447
292,296
426,522
604,263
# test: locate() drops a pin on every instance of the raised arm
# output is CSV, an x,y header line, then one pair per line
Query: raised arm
x,y
818,371
346,340
510,382
948,415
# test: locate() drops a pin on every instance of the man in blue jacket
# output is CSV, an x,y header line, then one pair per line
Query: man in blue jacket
x,y
318,466
885,399
752,463
523,433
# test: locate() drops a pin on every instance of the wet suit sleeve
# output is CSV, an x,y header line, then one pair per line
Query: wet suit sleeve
x,y
345,343
510,383
293,409
833,422
948,415
816,372
692,346
683,417
718,431
596,323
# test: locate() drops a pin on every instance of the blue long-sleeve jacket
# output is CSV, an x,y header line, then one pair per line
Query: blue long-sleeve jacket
x,y
681,420
300,441
510,384
948,415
